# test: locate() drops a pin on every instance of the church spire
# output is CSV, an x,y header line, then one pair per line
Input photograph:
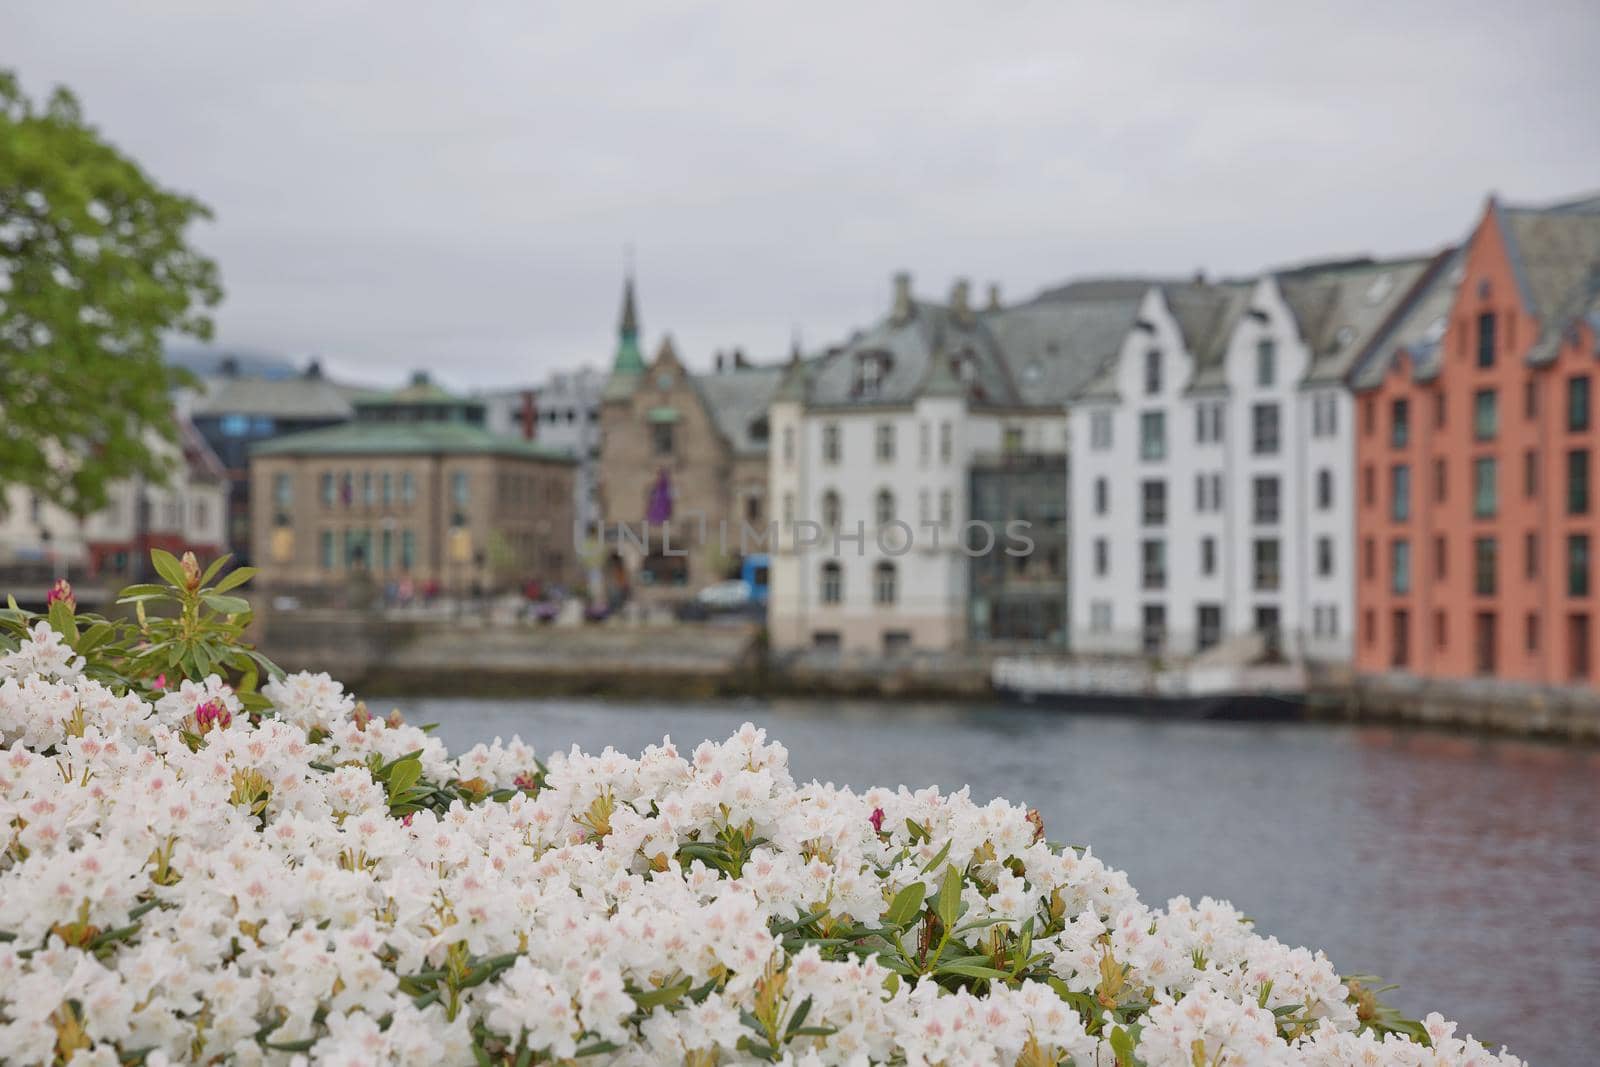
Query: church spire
x,y
629,360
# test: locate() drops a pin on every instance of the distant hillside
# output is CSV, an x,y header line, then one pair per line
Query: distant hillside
x,y
206,361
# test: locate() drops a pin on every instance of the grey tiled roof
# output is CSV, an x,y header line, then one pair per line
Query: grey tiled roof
x,y
1036,353
303,396
1555,251
1340,309
1416,326
1206,315
736,399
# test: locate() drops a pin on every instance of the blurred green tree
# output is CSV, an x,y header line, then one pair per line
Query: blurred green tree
x,y
94,272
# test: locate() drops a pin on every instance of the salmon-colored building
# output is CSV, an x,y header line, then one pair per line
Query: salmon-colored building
x,y
1476,449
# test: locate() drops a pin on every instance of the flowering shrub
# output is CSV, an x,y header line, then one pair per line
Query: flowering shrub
x,y
187,878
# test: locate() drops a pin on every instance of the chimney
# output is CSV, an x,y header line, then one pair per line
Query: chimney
x,y
230,366
419,377
1200,276
901,312
314,369
960,310
719,361
739,362
994,296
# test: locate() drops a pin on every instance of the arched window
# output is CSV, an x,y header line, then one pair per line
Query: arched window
x,y
884,583
830,510
832,583
885,509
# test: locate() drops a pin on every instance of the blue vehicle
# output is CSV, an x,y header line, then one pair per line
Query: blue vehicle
x,y
754,573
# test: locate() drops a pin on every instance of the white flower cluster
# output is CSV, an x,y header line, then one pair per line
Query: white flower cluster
x,y
333,887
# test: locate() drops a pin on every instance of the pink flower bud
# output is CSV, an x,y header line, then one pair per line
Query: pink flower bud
x,y
61,593
161,681
213,714
876,819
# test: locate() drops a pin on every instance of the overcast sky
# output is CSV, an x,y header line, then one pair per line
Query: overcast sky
x,y
453,185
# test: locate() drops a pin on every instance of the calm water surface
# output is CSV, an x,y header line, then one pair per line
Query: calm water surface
x,y
1465,869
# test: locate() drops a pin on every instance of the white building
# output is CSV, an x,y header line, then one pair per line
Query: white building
x,y
888,442
562,413
1212,484
188,512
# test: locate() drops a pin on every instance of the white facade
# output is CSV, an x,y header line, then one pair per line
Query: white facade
x,y
1148,525
908,464
1254,471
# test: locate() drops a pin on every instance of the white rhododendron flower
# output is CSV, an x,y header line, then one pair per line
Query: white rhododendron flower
x,y
188,882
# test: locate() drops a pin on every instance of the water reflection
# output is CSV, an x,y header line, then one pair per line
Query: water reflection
x,y
1467,869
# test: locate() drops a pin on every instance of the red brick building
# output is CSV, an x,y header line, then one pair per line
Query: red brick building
x,y
1476,450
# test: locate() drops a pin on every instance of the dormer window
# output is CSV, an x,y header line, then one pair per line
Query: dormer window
x,y
758,429
1152,372
871,368
965,367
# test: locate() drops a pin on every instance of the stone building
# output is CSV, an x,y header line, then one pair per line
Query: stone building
x,y
414,487
564,414
683,465
912,448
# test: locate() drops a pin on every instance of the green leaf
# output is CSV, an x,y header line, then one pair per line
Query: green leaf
x,y
971,970
227,605
666,995
216,565
905,906
948,905
404,775
237,577
917,832
168,567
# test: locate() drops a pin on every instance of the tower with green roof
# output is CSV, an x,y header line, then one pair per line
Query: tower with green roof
x,y
628,365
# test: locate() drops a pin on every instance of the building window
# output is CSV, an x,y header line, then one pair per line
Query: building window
x,y
946,442
1400,638
1485,415
1440,556
884,512
1208,556
1441,480
282,492
1530,555
1324,415
408,549
1102,557
1324,489
869,374
408,488
1578,646
830,510
1100,431
884,442
1530,400
1531,632
661,438
1324,557
325,554
1153,565
832,582
1578,403
1369,559
1530,473
1369,485
788,444
1264,429
830,443
1485,495
924,442
1208,625
1578,565
1265,509
1155,628
1440,407
388,489
1486,339
1578,482
460,492
1011,441
884,583
329,496
1265,559
1400,424
1400,492
788,508
1100,616
1266,363
1400,566
1154,503
1369,416
1152,372
946,510
1102,496
1152,435
1484,553
1485,640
